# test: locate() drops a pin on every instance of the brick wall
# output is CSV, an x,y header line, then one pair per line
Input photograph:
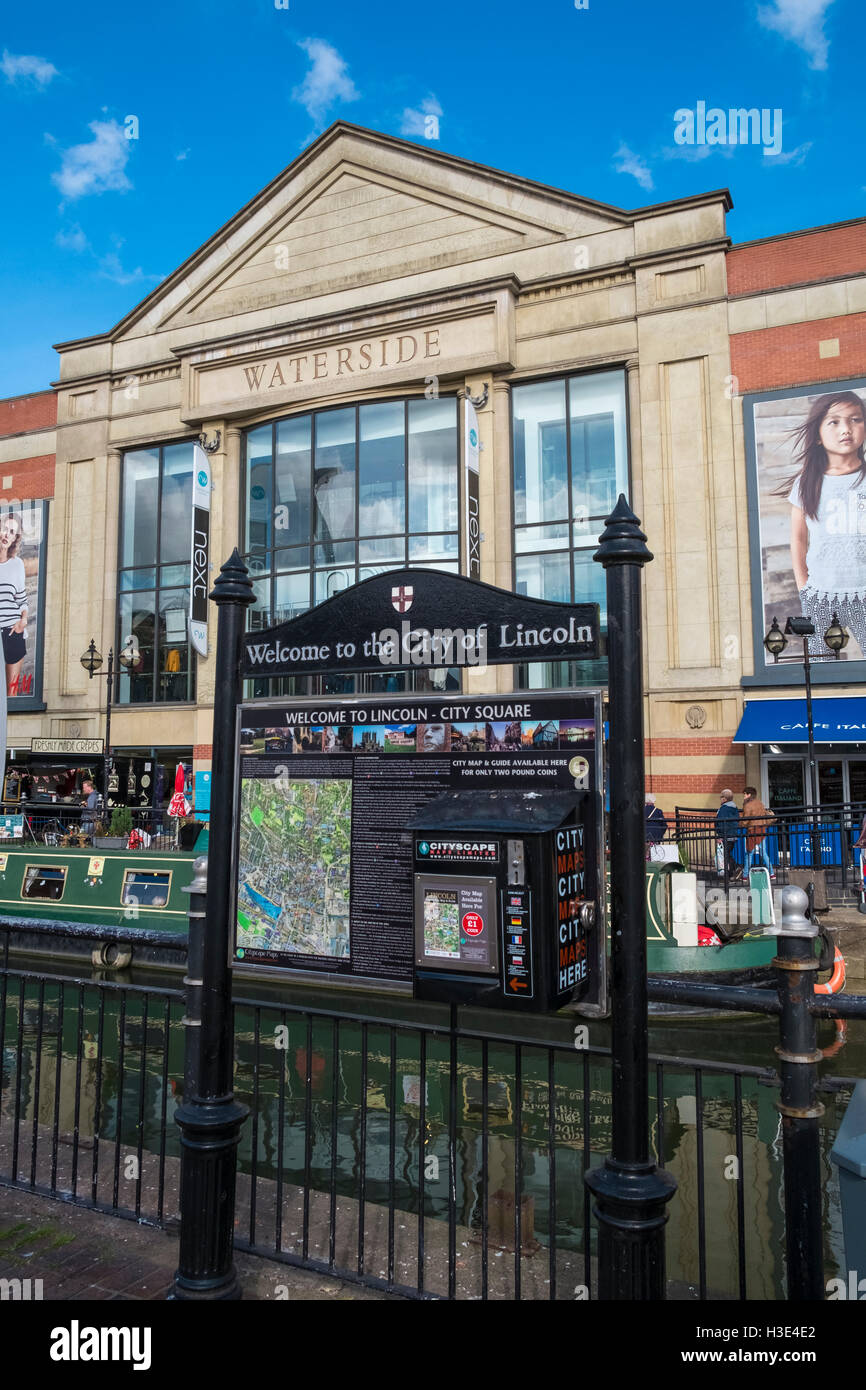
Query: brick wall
x,y
787,356
202,752
702,786
685,785
30,477
21,413
792,260
716,747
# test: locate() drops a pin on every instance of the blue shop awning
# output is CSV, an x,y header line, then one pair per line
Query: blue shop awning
x,y
841,720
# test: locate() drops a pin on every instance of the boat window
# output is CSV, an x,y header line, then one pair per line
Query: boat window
x,y
44,882
145,889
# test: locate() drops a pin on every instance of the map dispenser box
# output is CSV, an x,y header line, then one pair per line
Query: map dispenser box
x,y
506,900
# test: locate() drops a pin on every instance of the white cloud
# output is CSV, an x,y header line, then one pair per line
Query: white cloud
x,y
327,82
97,167
73,239
183,154
627,162
27,67
790,156
111,268
692,154
418,123
801,21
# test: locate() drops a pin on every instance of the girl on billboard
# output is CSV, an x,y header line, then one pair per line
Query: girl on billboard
x,y
13,599
828,515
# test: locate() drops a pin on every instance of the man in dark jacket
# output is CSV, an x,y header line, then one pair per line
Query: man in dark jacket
x,y
727,826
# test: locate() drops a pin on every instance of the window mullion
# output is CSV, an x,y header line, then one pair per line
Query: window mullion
x,y
157,576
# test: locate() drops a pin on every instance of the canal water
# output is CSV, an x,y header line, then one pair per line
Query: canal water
x,y
371,1111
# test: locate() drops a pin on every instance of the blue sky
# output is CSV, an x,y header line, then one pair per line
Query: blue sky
x,y
226,93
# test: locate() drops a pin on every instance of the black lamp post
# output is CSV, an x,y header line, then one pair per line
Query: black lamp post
x,y
630,1191
836,638
91,661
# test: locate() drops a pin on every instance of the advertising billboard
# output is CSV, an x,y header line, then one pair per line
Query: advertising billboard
x,y
23,536
807,512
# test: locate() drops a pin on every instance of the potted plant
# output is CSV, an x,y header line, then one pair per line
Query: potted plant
x,y
118,830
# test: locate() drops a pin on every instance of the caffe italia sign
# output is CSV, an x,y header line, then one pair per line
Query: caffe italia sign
x,y
418,617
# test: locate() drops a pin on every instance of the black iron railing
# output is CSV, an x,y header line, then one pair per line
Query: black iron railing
x,y
65,826
432,1158
723,854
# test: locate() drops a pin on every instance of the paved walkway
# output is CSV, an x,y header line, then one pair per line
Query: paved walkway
x,y
82,1254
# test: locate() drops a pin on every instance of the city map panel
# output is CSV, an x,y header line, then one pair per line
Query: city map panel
x,y
293,866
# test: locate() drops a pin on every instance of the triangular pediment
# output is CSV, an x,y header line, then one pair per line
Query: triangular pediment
x,y
360,209
359,227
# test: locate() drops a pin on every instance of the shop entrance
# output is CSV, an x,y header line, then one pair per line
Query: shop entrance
x,y
786,784
841,779
144,777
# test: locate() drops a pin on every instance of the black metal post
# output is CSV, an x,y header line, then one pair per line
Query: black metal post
x,y
813,766
630,1191
106,752
210,1118
796,967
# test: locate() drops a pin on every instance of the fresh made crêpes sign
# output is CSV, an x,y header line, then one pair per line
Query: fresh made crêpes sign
x,y
423,618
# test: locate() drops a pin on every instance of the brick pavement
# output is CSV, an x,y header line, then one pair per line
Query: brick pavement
x,y
82,1254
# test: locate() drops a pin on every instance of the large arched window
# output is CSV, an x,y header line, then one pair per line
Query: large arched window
x,y
335,496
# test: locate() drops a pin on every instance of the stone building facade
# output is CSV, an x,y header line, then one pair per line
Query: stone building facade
x,y
325,341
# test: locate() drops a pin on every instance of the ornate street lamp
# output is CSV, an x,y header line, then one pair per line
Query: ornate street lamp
x,y
836,638
92,661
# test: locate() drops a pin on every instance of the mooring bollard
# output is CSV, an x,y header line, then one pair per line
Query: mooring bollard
x,y
210,1118
796,968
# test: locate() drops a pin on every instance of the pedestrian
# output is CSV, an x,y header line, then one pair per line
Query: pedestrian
x,y
759,818
727,828
655,822
860,844
90,803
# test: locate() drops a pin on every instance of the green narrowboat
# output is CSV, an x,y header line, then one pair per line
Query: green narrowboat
x,y
121,907
112,906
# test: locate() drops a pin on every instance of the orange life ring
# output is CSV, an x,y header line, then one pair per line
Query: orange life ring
x,y
837,979
841,1038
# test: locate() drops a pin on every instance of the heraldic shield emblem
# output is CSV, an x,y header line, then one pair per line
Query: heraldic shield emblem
x,y
401,598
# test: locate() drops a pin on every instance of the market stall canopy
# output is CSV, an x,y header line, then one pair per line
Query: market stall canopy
x,y
841,720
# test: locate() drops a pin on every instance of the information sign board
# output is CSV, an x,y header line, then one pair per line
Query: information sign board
x,y
325,865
